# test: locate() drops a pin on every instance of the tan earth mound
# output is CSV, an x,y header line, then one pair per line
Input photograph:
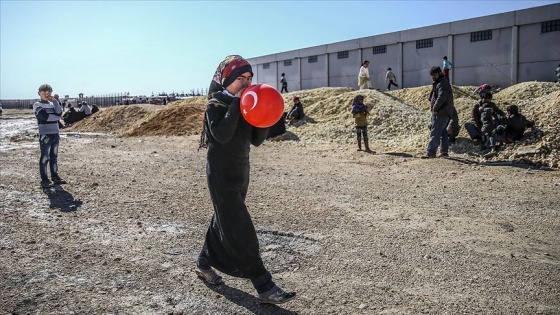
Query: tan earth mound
x,y
525,91
392,122
176,119
419,96
192,100
541,146
114,119
398,119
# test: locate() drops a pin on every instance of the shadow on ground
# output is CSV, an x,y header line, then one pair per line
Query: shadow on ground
x,y
248,301
62,199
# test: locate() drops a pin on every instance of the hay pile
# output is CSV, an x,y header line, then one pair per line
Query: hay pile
x,y
176,119
398,119
392,122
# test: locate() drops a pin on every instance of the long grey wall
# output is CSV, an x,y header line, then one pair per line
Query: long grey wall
x,y
518,51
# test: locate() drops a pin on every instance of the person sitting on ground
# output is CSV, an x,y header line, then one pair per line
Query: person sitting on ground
x,y
512,126
296,113
474,128
73,114
483,89
85,108
487,129
453,127
360,112
94,109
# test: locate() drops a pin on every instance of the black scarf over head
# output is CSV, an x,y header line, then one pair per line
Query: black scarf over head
x,y
228,70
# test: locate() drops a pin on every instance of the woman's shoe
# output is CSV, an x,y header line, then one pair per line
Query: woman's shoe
x,y
209,275
276,296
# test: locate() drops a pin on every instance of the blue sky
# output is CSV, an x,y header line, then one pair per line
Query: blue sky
x,y
140,47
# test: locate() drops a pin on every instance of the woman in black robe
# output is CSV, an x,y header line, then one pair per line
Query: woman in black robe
x,y
231,243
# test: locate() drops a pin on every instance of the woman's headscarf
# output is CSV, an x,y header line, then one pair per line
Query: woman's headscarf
x,y
228,70
358,104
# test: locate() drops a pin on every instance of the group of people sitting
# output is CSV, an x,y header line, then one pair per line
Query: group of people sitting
x,y
73,115
490,126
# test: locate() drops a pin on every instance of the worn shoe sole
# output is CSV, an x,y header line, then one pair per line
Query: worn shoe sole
x,y
59,181
278,299
209,276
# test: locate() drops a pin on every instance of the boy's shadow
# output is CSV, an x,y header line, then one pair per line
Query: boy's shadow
x,y
248,301
61,199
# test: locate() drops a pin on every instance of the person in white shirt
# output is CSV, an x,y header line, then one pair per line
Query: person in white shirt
x,y
85,108
363,76
390,76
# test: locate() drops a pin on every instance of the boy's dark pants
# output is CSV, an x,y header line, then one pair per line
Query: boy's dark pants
x,y
49,155
473,131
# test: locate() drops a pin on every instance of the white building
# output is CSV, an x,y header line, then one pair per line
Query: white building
x,y
501,49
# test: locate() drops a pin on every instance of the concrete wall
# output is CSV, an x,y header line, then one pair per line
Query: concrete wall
x,y
486,61
538,55
344,72
418,62
517,52
312,74
380,62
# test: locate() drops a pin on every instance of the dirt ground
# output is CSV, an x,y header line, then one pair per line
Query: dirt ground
x,y
350,232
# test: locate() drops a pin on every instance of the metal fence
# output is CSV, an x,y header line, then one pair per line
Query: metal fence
x,y
18,104
99,100
106,100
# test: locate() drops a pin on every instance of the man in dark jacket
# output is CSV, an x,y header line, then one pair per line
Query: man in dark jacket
x,y
441,101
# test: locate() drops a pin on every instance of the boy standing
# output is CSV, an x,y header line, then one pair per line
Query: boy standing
x,y
48,111
447,64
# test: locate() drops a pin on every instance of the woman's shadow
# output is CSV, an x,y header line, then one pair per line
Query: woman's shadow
x,y
248,301
61,199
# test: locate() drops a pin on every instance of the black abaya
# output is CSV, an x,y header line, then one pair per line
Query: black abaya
x,y
231,243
